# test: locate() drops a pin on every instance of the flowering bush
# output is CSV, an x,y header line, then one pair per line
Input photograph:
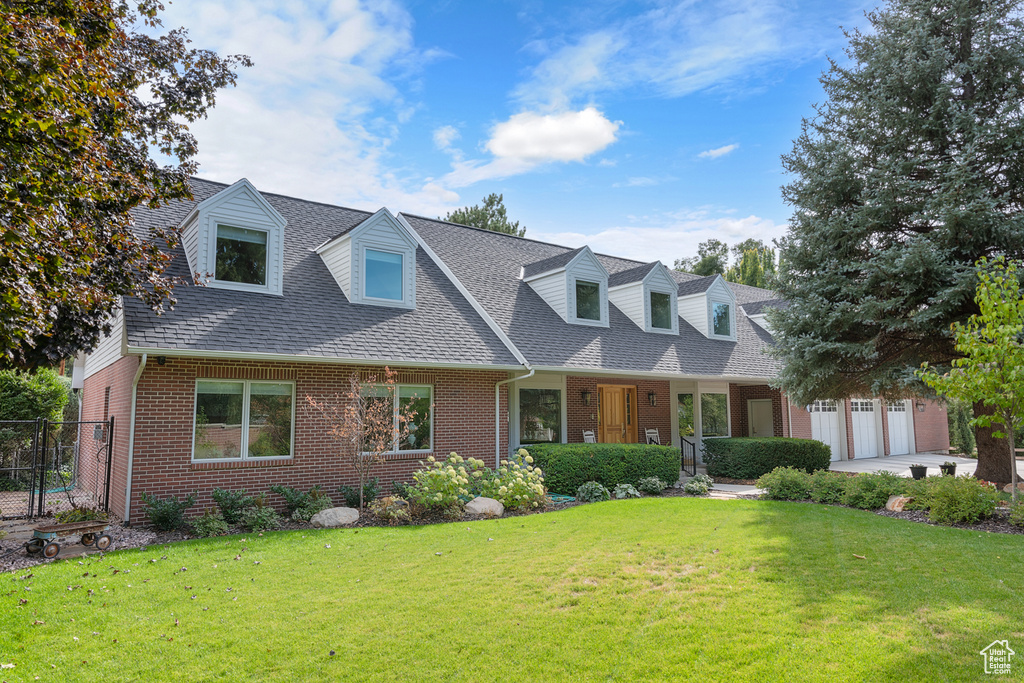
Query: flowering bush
x,y
516,484
698,485
625,491
390,509
445,484
651,485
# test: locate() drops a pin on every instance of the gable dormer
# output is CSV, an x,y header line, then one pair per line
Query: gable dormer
x,y
235,239
709,305
375,262
647,295
574,284
757,312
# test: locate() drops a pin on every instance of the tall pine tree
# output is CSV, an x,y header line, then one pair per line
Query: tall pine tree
x,y
909,172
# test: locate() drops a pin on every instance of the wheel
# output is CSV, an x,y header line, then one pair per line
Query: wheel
x,y
50,550
103,542
34,546
88,539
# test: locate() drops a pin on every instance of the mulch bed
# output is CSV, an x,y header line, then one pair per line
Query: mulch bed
x,y
740,482
998,524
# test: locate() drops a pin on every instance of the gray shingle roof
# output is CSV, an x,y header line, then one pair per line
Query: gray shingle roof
x,y
313,317
624,277
551,263
697,286
759,307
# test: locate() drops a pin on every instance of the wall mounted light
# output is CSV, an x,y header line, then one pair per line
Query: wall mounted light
x,y
920,406
161,360
585,397
652,397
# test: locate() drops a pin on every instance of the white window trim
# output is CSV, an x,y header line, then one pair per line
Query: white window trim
x,y
362,263
408,299
602,289
241,286
711,319
673,311
394,412
244,450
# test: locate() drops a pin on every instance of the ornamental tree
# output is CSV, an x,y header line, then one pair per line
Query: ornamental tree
x,y
910,171
991,367
94,114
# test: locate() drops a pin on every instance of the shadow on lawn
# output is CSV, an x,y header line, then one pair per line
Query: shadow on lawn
x,y
934,596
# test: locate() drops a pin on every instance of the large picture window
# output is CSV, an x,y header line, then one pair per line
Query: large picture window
x,y
414,400
588,300
238,420
241,255
540,416
714,415
383,275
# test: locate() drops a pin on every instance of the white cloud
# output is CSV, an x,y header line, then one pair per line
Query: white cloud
x,y
640,181
445,136
718,152
530,139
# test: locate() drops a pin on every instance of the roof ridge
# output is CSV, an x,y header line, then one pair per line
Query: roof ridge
x,y
287,196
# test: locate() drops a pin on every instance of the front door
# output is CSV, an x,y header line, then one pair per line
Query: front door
x,y
760,417
617,413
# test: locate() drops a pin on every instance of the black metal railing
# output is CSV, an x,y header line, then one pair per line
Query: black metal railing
x,y
689,457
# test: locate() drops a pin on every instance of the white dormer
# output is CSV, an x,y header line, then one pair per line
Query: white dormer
x,y
375,262
236,239
574,284
710,306
757,312
647,295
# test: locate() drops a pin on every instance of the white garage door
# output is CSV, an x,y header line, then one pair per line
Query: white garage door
x,y
899,430
825,425
865,437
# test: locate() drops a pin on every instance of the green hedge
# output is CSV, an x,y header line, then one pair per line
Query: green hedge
x,y
750,458
566,466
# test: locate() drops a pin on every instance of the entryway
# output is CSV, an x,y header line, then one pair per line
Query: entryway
x,y
759,417
616,413
865,435
825,425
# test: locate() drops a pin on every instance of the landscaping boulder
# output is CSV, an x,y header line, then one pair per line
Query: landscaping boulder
x,y
897,503
485,506
1009,487
334,517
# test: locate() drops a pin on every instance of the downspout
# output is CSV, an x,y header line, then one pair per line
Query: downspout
x,y
497,412
789,415
131,440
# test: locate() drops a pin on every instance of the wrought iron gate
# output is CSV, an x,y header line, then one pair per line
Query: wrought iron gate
x,y
47,465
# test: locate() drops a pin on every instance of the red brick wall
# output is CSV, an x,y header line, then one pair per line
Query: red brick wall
x,y
931,427
801,420
581,417
118,377
738,397
463,422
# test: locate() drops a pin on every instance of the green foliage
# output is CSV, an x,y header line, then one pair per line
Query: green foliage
x,y
167,514
625,491
390,509
27,396
895,197
259,517
961,435
232,504
7,484
1016,517
80,514
749,458
651,485
442,485
786,483
698,485
754,264
210,523
920,491
592,492
490,216
303,505
567,466
828,487
961,500
401,489
516,484
870,491
711,259
351,495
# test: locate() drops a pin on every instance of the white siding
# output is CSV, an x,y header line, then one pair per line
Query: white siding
x,y
108,350
630,300
190,243
338,259
694,310
658,280
587,268
386,236
553,289
761,321
719,292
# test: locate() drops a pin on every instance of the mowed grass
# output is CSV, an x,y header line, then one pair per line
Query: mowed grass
x,y
651,589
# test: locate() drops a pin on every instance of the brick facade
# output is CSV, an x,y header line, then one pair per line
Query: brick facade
x,y
580,417
931,428
740,415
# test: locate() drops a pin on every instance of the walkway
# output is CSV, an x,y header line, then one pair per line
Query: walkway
x,y
900,464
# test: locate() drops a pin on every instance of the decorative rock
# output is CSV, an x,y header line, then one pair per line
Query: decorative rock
x,y
1009,487
896,503
485,506
335,517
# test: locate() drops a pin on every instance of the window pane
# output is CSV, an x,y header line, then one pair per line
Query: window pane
x,y
383,274
417,400
218,420
721,314
661,311
540,416
588,300
714,418
241,255
685,414
270,420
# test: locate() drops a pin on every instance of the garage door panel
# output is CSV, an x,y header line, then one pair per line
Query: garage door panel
x,y
825,425
865,435
899,431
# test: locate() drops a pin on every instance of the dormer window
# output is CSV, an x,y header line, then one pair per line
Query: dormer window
x,y
383,275
661,310
574,284
588,300
646,294
241,255
721,314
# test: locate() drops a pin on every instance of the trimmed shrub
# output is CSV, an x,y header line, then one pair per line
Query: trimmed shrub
x,y
920,490
592,492
828,487
570,465
211,523
749,458
302,505
232,504
786,483
1017,514
625,491
651,485
961,500
351,494
871,491
260,517
167,514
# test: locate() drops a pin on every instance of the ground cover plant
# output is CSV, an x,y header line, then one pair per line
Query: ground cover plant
x,y
648,589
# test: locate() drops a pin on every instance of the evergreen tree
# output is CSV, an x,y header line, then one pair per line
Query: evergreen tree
x,y
490,216
909,172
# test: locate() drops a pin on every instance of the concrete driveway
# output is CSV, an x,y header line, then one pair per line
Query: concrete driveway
x,y
900,464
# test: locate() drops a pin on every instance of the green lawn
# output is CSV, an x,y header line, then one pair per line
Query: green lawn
x,y
649,589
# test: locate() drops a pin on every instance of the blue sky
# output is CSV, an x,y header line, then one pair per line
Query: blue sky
x,y
640,128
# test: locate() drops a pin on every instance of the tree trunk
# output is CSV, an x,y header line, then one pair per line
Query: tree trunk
x,y
993,463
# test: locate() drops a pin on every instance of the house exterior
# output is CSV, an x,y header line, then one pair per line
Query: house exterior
x,y
498,340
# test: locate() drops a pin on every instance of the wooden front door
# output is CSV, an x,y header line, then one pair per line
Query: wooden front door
x,y
617,413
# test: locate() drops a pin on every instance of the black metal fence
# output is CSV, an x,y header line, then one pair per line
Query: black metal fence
x,y
689,457
47,465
